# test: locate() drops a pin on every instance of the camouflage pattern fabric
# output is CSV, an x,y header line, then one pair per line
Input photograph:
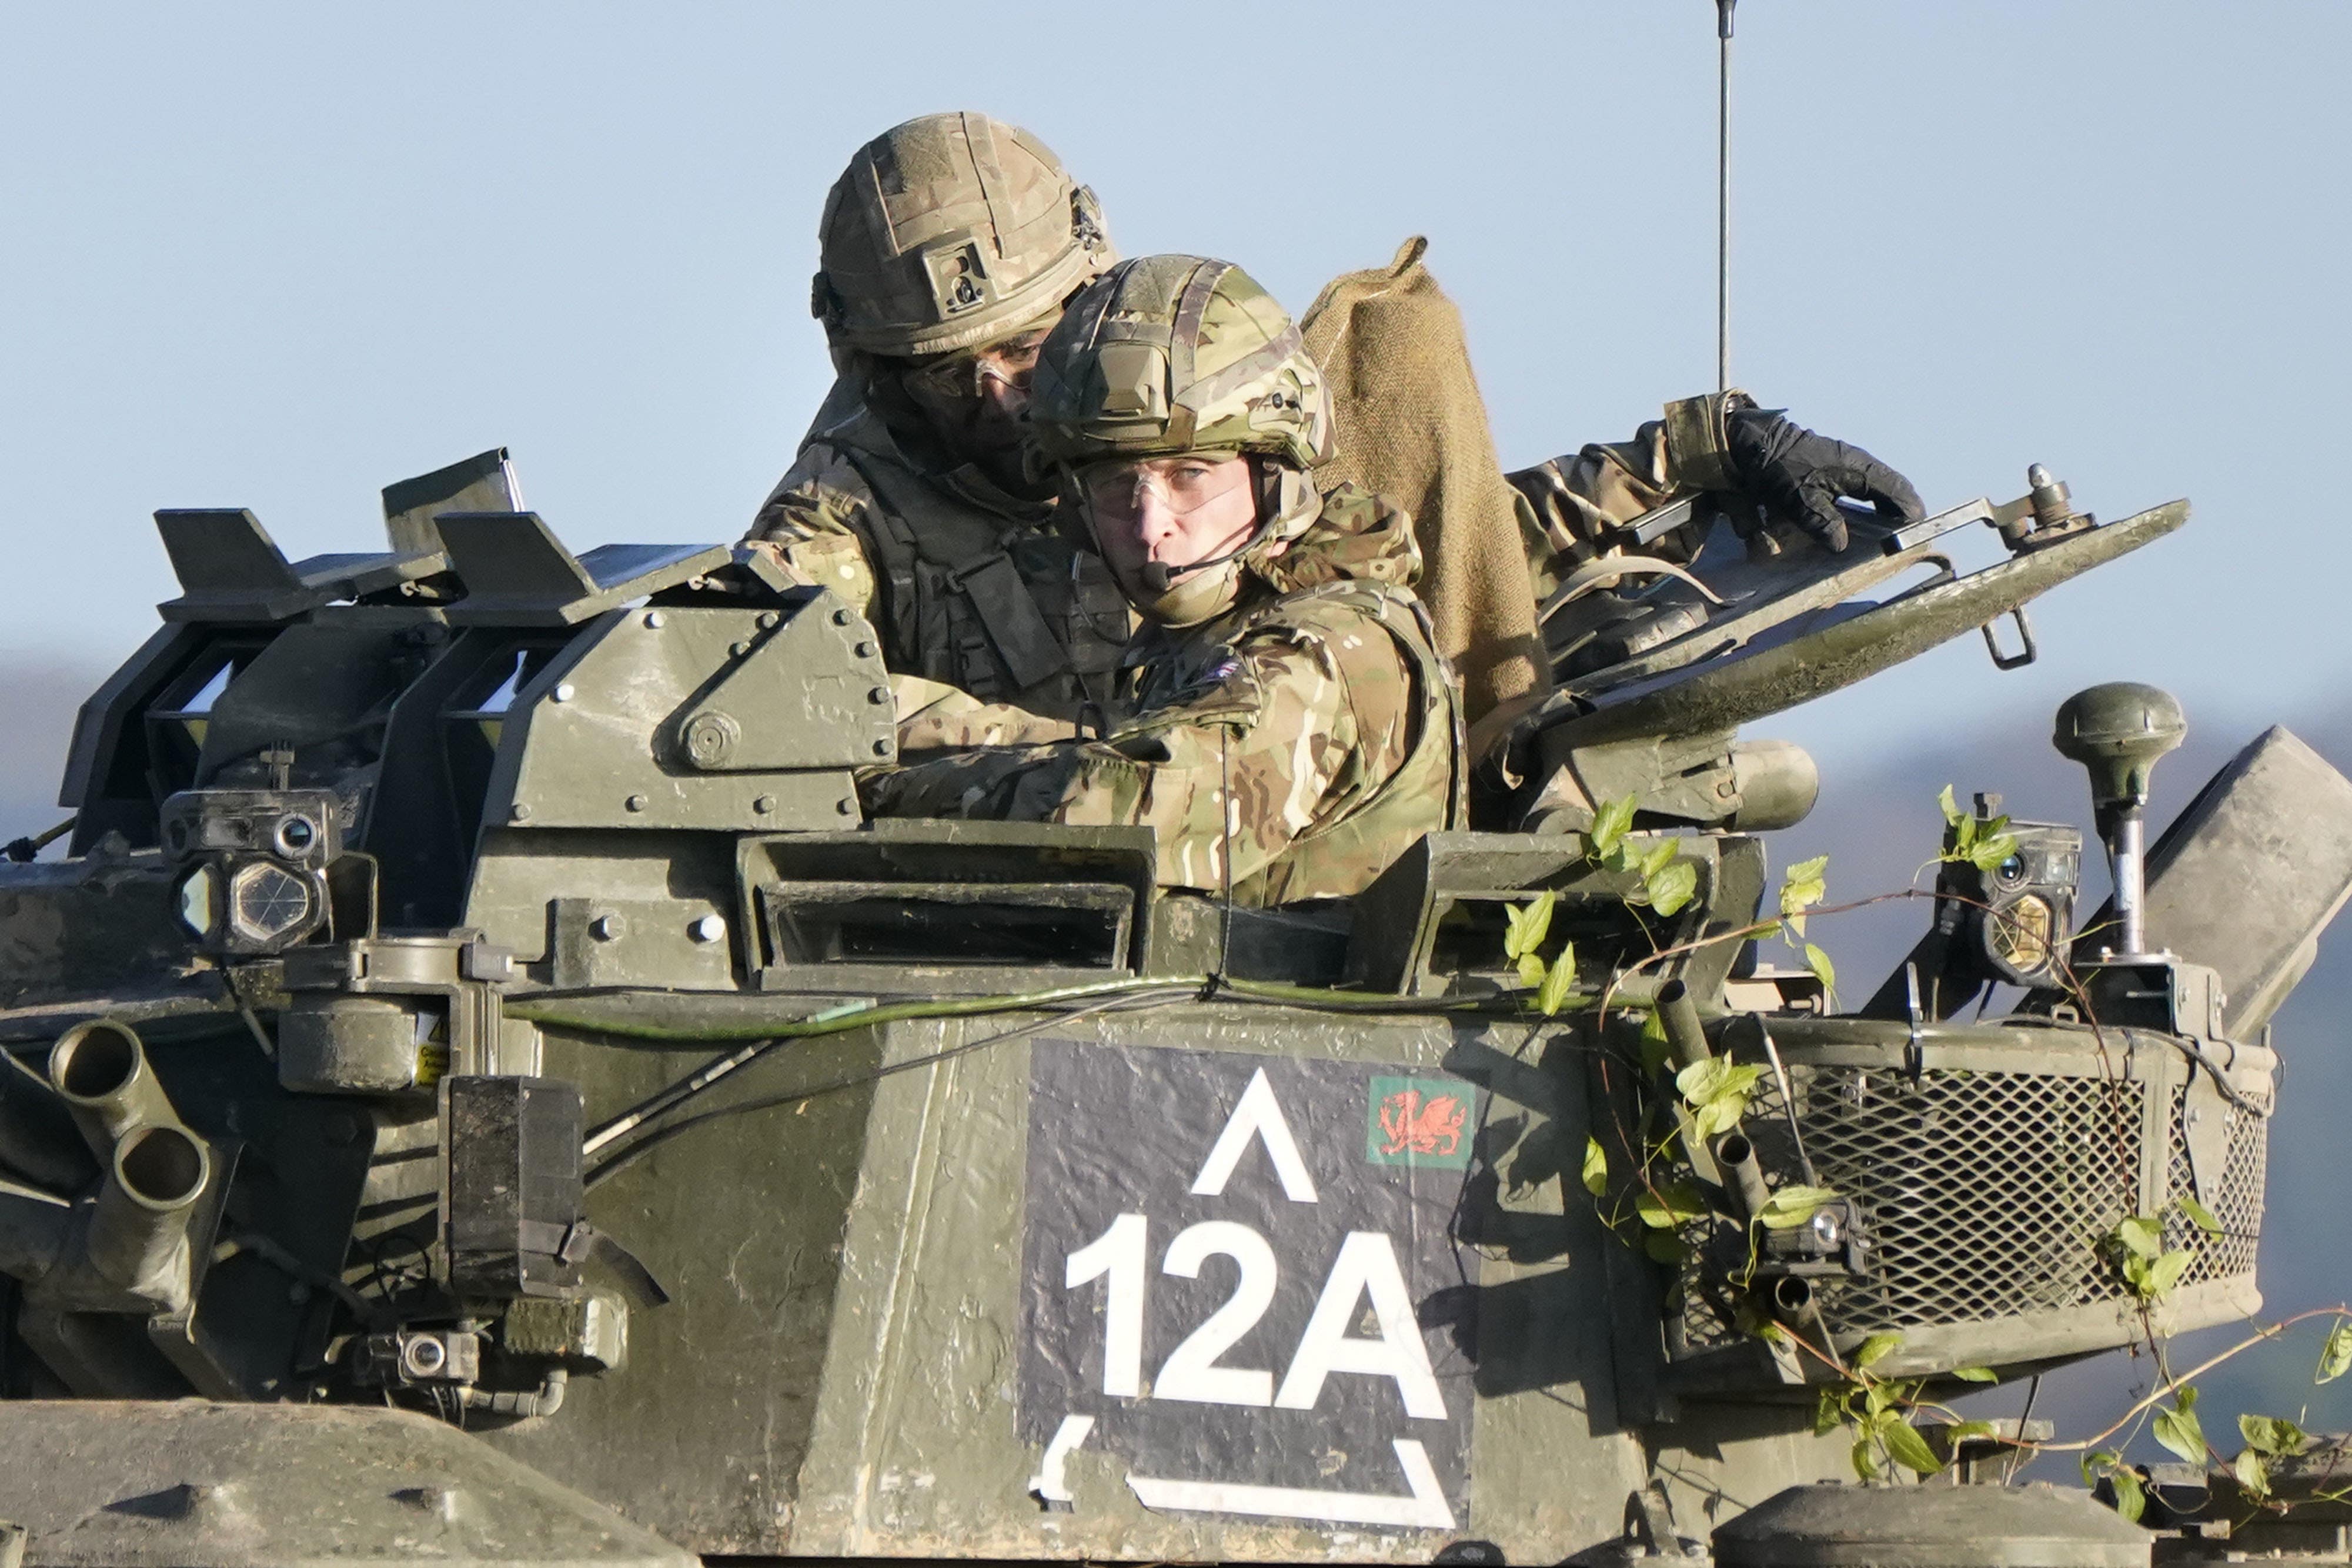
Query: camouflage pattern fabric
x,y
1576,503
1292,747
1168,354
967,583
948,231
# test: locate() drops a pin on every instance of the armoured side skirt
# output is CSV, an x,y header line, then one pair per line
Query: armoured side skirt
x,y
200,1485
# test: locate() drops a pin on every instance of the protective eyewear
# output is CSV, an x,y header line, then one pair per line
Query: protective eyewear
x,y
963,375
1116,490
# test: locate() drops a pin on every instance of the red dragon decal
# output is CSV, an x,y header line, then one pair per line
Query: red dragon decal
x,y
1415,1128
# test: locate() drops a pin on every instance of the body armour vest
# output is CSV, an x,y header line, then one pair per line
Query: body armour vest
x,y
972,589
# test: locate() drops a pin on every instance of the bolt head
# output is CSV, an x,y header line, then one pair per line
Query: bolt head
x,y
841,617
765,804
739,649
878,695
636,802
882,747
711,738
709,928
519,812
565,692
605,928
655,619
867,650
770,620
846,805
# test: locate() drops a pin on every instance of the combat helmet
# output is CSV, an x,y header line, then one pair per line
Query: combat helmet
x,y
1170,354
1166,354
949,231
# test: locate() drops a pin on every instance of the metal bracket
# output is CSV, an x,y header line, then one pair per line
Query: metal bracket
x,y
2027,651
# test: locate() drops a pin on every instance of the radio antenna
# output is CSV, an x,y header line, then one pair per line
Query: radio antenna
x,y
1723,194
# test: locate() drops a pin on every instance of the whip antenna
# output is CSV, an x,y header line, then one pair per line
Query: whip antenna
x,y
1723,194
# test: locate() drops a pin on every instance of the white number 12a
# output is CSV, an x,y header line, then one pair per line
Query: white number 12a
x,y
1366,1267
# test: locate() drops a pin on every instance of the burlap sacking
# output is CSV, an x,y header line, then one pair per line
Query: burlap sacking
x,y
1412,426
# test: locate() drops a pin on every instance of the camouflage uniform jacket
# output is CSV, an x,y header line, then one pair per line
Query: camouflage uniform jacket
x,y
1312,733
1574,504
967,583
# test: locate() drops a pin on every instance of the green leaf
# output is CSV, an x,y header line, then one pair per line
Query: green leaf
x,y
2253,1473
1792,1206
2199,1216
1876,1348
1828,1411
1527,924
1596,1169
1673,887
2164,1274
2131,1497
1865,1458
1987,853
1905,1446
1531,970
1558,982
1968,1429
1801,886
1718,1117
1974,1374
2271,1434
1717,1078
1611,823
2142,1235
1656,1049
1823,970
2177,1429
1661,856
1670,1206
2336,1354
1952,812
2096,1464
1800,889
1664,1247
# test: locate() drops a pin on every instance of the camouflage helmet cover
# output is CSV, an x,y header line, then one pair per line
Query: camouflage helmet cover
x,y
949,231
1166,354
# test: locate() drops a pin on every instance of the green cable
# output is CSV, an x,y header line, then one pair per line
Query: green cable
x,y
860,1015
764,1036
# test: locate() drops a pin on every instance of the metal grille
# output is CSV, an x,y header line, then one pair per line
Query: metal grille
x,y
2236,1202
1987,1193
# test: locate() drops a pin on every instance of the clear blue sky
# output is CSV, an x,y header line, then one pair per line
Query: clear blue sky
x,y
280,256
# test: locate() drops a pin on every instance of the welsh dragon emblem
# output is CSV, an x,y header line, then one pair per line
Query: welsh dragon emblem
x,y
1412,1125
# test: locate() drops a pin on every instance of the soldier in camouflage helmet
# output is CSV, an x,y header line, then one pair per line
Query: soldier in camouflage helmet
x,y
1289,725
947,248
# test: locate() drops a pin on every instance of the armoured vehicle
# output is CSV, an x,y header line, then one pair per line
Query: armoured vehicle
x,y
475,1087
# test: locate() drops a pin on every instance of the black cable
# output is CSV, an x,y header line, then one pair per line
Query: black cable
x,y
660,1136
1258,993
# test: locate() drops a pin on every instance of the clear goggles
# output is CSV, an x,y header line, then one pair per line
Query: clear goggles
x,y
1115,490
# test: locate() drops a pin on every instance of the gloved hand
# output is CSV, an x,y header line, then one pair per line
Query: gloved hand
x,y
1798,476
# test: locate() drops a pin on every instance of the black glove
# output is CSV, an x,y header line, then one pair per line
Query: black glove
x,y
1797,477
